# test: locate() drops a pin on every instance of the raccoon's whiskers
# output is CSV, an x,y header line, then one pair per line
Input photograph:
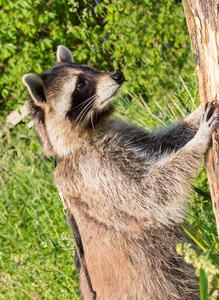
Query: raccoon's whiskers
x,y
86,105
84,111
91,117
80,105
92,114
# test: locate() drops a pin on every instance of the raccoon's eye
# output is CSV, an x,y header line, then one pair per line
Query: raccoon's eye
x,y
81,84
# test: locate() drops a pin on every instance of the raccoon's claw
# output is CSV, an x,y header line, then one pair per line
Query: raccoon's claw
x,y
208,111
208,117
210,121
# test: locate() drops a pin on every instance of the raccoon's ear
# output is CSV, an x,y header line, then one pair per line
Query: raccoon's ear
x,y
63,54
35,87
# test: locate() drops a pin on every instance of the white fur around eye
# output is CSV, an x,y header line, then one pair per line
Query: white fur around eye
x,y
65,101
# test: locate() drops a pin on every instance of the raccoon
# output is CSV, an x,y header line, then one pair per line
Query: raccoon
x,y
125,186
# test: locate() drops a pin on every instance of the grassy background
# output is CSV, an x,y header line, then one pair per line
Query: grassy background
x,y
150,43
36,246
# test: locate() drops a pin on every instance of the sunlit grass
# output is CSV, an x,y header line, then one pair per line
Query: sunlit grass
x,y
37,253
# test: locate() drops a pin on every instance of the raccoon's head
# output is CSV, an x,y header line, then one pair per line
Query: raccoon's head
x,y
71,94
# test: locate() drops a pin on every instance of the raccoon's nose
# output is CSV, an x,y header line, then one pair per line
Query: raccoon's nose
x,y
118,77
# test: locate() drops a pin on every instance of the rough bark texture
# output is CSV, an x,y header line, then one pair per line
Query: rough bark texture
x,y
202,18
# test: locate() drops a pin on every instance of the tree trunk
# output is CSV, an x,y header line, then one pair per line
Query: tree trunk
x,y
202,18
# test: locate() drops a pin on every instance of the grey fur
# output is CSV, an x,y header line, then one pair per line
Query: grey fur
x,y
126,187
63,54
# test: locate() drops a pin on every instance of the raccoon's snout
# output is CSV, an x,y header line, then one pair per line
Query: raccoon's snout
x,y
118,77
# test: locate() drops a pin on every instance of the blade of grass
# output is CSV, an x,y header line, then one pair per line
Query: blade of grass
x,y
203,282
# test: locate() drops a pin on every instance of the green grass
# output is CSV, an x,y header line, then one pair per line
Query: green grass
x,y
37,252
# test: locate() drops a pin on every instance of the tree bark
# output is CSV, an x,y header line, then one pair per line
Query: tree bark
x,y
202,18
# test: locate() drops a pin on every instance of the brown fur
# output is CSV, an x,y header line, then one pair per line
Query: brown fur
x,y
125,187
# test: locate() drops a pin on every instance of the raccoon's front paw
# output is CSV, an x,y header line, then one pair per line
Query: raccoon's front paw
x,y
210,118
210,121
